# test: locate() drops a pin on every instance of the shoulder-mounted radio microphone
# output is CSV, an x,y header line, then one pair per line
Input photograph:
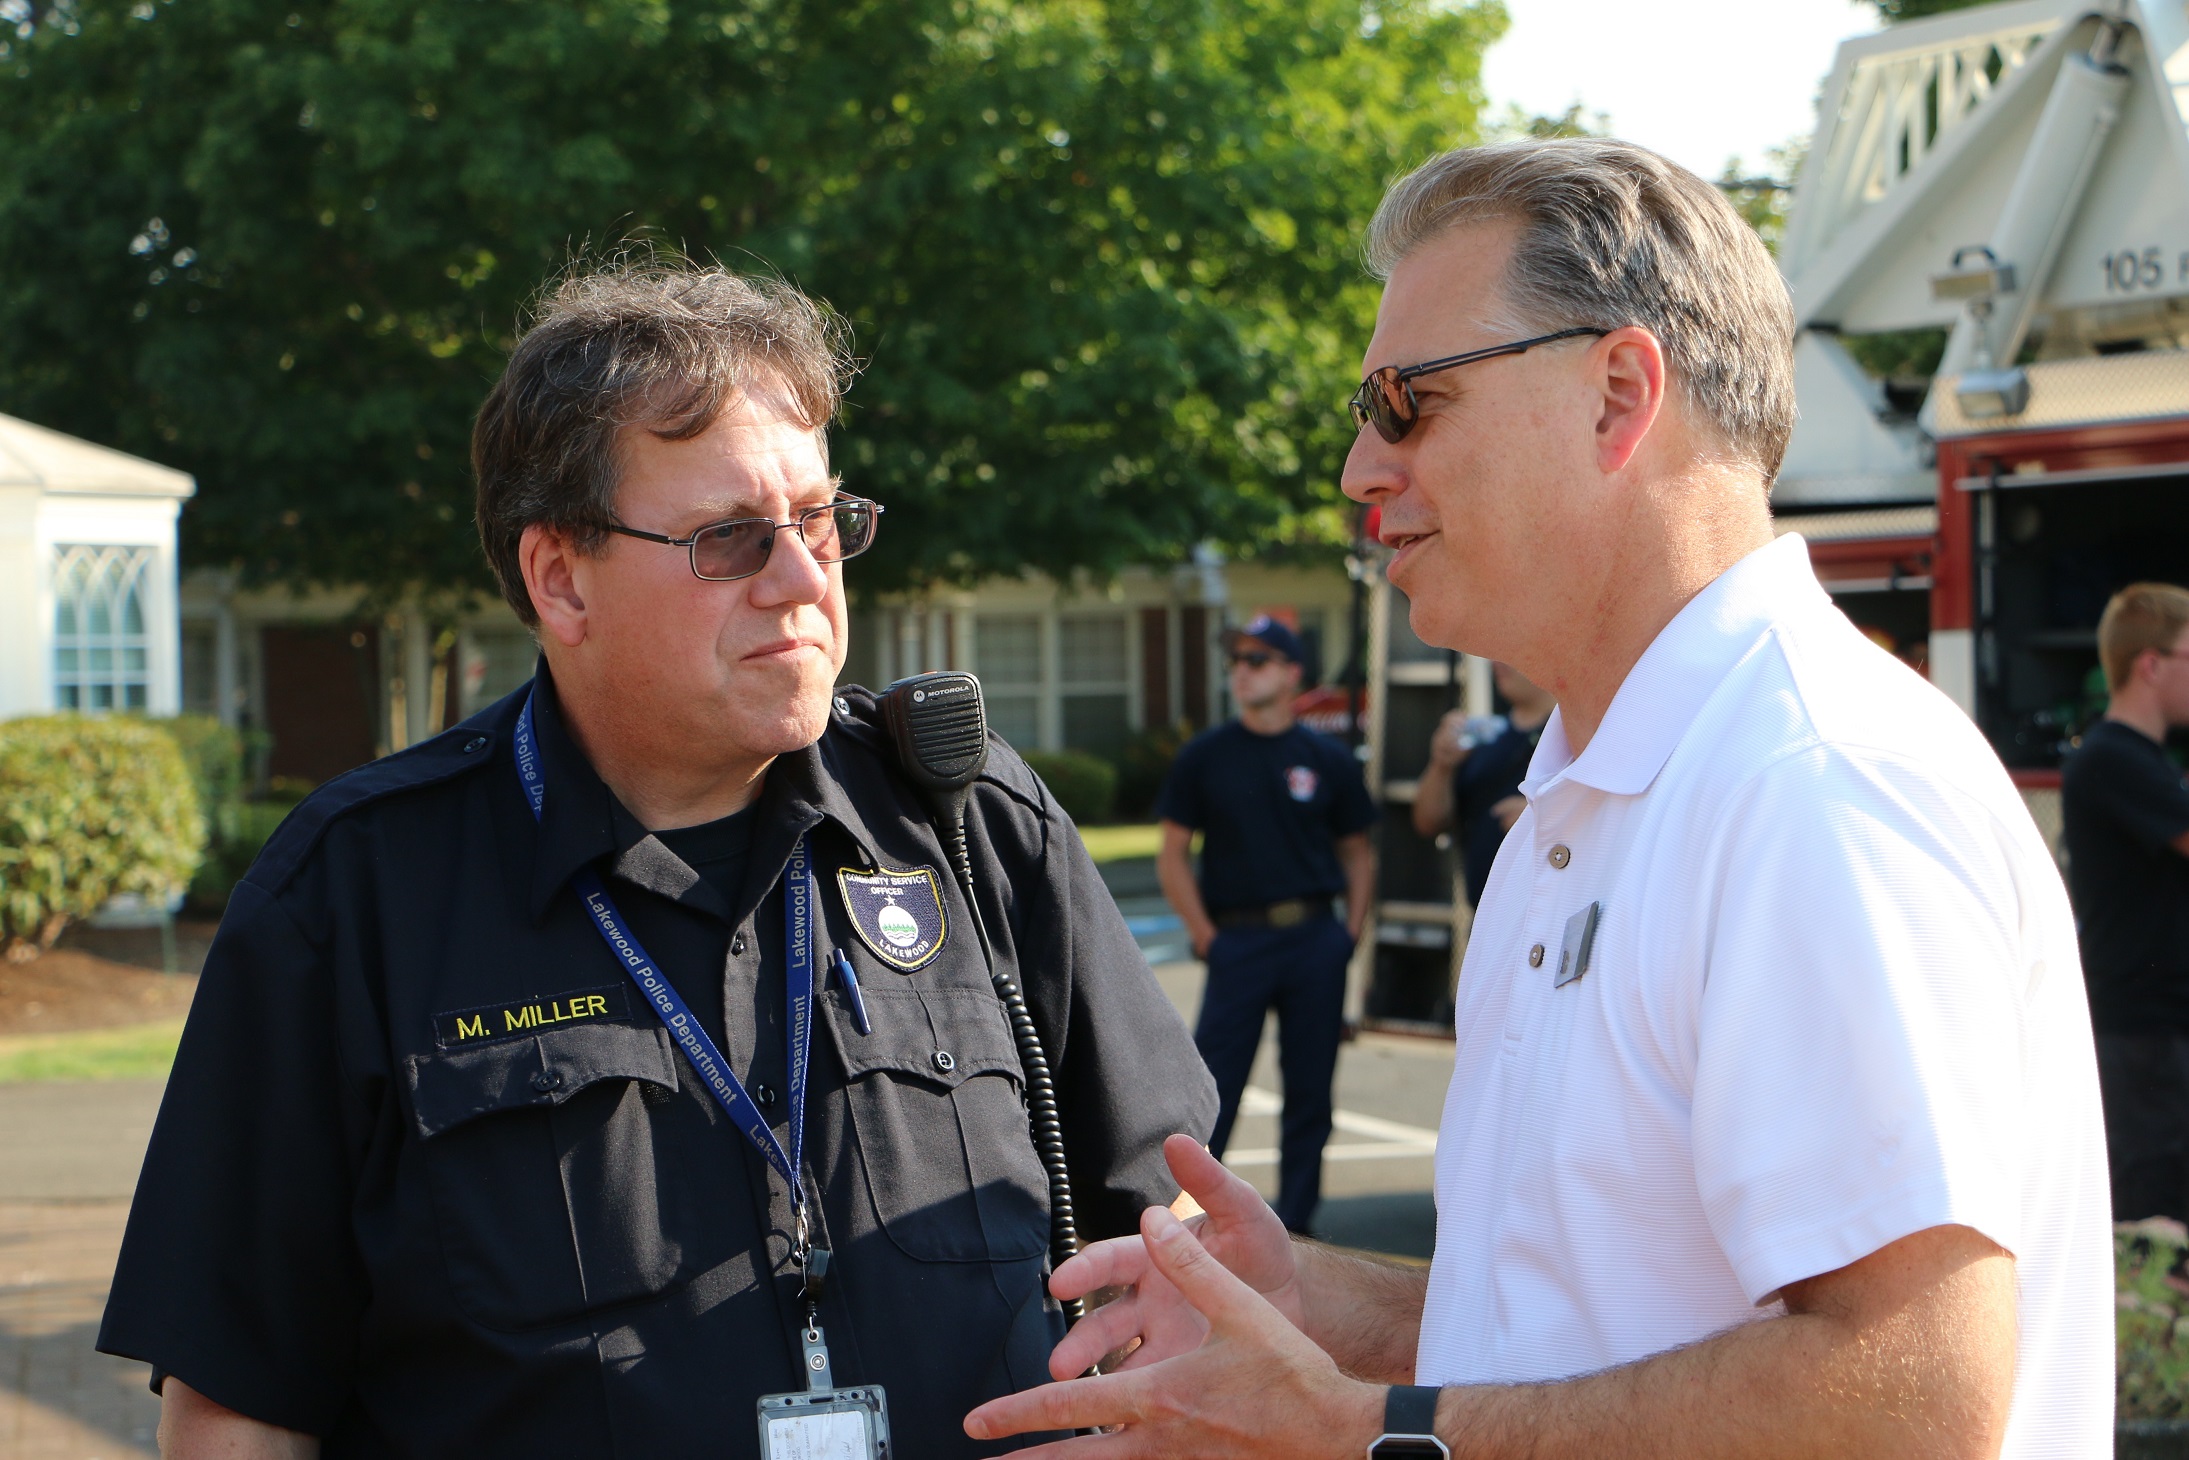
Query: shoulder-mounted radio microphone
x,y
940,730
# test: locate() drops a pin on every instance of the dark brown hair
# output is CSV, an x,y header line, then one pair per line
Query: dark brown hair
x,y
661,343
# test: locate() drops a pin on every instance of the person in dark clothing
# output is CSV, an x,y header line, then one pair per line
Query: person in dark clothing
x,y
2127,830
1284,815
451,1165
1472,784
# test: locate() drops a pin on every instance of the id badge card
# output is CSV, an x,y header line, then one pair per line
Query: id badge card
x,y
825,1424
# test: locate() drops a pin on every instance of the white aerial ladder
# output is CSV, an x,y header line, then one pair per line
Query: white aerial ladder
x,y
2019,175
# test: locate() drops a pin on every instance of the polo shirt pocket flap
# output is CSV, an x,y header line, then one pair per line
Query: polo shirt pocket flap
x,y
939,1037
451,1087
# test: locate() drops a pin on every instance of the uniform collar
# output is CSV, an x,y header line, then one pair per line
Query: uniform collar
x,y
1690,657
582,822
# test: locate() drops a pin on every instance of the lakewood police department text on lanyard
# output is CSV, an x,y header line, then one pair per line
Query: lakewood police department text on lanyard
x,y
799,893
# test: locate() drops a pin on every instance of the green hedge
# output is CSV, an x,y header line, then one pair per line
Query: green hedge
x,y
1084,785
89,807
235,829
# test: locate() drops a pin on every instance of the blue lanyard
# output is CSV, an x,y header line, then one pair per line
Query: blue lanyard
x,y
799,895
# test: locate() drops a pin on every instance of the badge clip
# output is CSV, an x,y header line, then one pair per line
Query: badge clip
x,y
1573,954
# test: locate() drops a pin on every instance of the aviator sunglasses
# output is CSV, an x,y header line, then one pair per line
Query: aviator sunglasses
x,y
738,548
1386,398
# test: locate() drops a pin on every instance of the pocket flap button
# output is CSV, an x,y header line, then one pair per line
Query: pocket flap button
x,y
547,1081
945,1061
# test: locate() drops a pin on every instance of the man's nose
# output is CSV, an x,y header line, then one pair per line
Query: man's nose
x,y
791,575
1373,470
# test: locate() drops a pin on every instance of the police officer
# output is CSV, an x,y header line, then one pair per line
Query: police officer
x,y
1284,815
493,1131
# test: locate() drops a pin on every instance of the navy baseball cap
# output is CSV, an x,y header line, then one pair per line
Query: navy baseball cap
x,y
1267,631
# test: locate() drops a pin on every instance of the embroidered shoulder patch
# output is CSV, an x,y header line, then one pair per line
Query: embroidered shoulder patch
x,y
896,914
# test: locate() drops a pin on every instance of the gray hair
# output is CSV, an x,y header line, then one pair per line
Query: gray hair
x,y
1612,235
660,343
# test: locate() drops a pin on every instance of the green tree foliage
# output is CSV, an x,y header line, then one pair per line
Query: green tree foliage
x,y
1766,198
1100,255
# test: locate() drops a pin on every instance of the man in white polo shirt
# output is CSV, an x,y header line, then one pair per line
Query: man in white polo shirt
x,y
1774,1127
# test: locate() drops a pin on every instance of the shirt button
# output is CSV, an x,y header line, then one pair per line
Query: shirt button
x,y
1560,856
765,1094
547,1081
1535,956
737,945
474,745
945,1061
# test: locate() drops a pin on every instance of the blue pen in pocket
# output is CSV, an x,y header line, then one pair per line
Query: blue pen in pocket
x,y
850,982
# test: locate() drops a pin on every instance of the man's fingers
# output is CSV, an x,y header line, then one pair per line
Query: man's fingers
x,y
1077,1404
1107,1328
1203,1281
1117,1263
1226,1197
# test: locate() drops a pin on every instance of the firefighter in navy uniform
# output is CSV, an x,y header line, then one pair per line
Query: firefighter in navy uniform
x,y
438,1171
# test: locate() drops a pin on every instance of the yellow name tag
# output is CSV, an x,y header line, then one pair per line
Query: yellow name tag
x,y
607,1004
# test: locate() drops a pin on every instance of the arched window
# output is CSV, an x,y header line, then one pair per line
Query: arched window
x,y
99,647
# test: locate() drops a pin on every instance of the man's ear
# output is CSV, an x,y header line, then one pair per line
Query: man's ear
x,y
550,563
1630,375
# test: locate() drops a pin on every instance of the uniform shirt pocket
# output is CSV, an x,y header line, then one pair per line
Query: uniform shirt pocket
x,y
935,1091
552,1161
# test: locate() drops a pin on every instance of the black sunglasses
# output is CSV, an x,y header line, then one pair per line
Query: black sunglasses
x,y
1253,660
1386,399
725,551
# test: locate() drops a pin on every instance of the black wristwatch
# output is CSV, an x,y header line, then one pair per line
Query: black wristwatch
x,y
1409,1426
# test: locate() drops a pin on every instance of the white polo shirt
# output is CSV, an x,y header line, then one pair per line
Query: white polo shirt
x,y
1833,999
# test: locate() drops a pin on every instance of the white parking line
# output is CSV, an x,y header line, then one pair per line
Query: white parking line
x,y
1392,1140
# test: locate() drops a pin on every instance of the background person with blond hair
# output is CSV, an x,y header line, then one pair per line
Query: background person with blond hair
x,y
2127,816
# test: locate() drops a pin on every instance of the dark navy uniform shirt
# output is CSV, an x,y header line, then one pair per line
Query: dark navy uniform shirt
x,y
1270,809
1487,776
2122,804
431,1180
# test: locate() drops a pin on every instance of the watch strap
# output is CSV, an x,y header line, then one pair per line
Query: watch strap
x,y
1409,1425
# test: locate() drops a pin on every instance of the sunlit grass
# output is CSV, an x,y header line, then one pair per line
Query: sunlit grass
x,y
1115,843
132,1052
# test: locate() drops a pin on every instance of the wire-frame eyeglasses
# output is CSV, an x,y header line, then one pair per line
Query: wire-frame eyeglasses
x,y
722,552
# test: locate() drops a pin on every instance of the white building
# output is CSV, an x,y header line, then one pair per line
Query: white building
x,y
88,610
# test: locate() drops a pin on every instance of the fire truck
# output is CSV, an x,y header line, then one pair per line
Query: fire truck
x,y
1988,252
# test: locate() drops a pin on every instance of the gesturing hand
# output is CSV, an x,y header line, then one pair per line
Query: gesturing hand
x,y
1255,1385
1236,1227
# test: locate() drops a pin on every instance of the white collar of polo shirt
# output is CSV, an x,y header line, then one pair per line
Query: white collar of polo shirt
x,y
1683,666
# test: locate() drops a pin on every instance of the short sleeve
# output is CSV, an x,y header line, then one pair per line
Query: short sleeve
x,y
1352,809
2135,793
1181,798
237,1273
1859,1046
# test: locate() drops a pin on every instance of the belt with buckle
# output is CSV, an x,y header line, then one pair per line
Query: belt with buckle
x,y
1287,914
